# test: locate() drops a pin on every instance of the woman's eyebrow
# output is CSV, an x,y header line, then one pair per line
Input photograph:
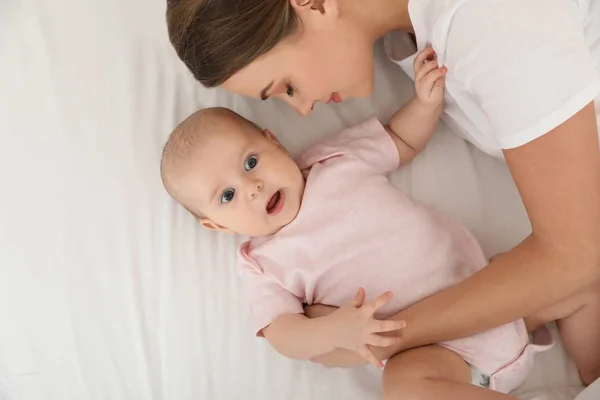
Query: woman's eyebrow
x,y
263,93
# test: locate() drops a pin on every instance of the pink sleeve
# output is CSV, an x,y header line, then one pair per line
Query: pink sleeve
x,y
368,141
266,297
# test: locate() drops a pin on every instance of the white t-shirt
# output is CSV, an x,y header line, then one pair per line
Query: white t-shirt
x,y
516,68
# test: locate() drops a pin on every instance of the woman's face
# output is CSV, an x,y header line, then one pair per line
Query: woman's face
x,y
326,59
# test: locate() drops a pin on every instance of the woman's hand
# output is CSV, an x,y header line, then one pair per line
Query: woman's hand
x,y
558,177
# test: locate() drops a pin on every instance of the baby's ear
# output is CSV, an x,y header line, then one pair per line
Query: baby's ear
x,y
269,135
209,224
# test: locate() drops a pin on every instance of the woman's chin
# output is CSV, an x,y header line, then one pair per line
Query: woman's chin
x,y
364,91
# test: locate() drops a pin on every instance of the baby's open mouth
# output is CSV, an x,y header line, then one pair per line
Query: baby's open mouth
x,y
274,202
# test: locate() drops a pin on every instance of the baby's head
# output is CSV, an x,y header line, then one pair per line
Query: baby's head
x,y
230,174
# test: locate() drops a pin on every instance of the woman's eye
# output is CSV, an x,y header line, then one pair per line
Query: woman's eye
x,y
251,163
290,91
227,196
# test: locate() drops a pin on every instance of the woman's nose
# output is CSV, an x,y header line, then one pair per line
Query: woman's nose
x,y
304,107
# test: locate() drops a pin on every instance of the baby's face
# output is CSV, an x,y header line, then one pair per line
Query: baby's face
x,y
243,181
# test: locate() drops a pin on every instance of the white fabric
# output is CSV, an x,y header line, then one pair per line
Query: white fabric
x,y
108,290
516,68
592,392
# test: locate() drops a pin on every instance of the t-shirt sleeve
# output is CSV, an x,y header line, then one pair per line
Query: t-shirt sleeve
x,y
527,64
368,141
266,297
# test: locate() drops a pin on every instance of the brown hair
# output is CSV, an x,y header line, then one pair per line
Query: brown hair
x,y
217,38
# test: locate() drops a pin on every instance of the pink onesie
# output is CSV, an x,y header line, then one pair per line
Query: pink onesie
x,y
354,228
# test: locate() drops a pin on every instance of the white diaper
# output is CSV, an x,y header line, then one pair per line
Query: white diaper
x,y
512,374
480,379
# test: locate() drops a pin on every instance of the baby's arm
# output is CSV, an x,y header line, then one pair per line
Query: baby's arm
x,y
298,337
350,327
412,125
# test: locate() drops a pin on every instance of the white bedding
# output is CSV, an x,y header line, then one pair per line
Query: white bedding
x,y
108,290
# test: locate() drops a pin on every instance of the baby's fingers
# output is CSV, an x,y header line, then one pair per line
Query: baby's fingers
x,y
382,341
368,355
427,54
435,78
370,308
387,325
425,69
359,299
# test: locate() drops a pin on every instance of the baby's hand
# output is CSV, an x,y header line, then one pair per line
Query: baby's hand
x,y
429,79
356,329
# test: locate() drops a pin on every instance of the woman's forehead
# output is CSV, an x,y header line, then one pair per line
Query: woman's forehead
x,y
256,79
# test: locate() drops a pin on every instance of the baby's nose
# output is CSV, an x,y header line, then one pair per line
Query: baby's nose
x,y
255,188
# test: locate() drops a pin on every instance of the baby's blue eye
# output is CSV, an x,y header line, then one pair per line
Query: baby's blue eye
x,y
251,162
227,196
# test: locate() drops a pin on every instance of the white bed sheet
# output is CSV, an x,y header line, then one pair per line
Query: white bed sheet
x,y
108,290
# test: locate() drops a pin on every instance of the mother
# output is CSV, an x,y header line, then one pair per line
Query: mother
x,y
523,76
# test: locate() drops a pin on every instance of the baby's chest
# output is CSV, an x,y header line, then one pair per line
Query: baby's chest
x,y
390,255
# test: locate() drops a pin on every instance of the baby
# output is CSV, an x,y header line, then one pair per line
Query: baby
x,y
330,222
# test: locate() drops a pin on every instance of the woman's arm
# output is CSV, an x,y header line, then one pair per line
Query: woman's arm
x,y
558,177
